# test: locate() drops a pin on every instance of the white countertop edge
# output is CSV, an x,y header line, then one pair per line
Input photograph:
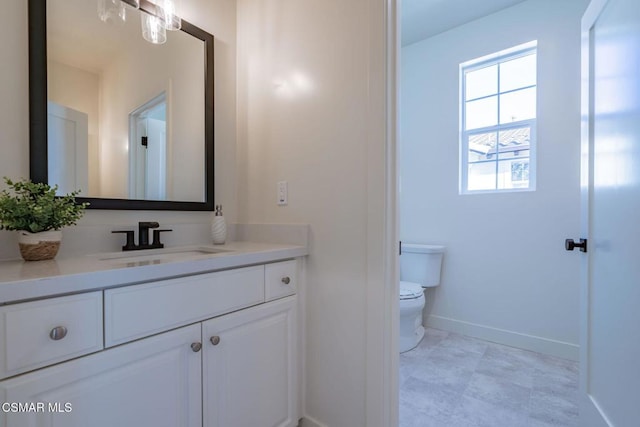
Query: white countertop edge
x,y
106,275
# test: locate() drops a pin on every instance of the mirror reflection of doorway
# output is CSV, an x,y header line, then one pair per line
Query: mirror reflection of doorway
x,y
67,150
148,149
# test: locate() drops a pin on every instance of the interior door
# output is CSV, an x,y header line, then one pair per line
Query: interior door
x,y
68,148
610,324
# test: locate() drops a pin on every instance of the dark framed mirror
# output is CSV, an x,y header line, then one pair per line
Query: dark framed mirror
x,y
127,122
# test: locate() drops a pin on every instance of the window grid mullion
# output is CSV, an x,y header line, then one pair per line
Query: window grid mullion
x,y
506,126
506,92
493,161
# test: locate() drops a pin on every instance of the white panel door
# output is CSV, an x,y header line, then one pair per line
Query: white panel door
x,y
67,148
610,336
152,382
249,367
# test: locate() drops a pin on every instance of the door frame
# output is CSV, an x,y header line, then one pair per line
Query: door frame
x,y
135,153
382,275
591,414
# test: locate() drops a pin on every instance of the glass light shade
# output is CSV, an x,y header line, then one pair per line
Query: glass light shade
x,y
153,29
172,20
112,12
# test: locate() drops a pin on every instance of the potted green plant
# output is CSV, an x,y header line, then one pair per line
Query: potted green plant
x,y
37,214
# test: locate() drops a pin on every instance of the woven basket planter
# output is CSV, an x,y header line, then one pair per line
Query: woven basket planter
x,y
39,246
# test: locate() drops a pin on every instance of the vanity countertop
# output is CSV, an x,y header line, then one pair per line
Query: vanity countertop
x,y
20,280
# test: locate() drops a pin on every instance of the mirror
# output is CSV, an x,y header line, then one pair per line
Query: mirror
x,y
127,122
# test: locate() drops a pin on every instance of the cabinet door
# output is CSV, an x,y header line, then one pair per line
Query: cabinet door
x,y
151,382
250,367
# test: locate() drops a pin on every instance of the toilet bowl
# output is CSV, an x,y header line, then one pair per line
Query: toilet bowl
x,y
411,304
420,267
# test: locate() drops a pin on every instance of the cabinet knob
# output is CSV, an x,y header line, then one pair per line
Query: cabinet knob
x,y
58,333
215,340
286,280
196,346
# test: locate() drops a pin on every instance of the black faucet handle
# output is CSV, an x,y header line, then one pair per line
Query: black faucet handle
x,y
131,244
143,233
156,238
148,224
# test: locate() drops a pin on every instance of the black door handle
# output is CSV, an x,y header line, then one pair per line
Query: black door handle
x,y
570,245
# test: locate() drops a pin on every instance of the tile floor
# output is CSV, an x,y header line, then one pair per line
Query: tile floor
x,y
450,380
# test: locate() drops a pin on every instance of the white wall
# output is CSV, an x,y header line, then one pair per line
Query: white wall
x,y
92,234
506,276
309,76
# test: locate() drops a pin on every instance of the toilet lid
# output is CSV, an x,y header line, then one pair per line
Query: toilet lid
x,y
410,290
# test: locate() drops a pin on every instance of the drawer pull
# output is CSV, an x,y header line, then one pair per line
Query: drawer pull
x,y
196,346
58,333
215,340
286,280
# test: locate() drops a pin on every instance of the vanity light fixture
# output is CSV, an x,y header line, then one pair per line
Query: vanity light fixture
x,y
172,21
112,12
156,17
153,29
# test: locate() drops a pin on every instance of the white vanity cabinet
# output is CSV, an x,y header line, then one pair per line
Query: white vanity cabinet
x,y
152,382
249,367
206,350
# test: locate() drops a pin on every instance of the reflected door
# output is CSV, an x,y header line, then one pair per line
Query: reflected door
x,y
67,152
156,156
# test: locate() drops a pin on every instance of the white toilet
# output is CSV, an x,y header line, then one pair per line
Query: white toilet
x,y
420,267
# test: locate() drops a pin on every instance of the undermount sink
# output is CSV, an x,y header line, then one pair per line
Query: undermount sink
x,y
155,256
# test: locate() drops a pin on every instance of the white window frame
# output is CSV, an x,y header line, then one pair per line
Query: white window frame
x,y
499,57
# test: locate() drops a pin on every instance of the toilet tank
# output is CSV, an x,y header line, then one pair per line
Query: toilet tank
x,y
421,264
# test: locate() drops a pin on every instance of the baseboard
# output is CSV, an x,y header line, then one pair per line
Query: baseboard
x,y
501,336
310,422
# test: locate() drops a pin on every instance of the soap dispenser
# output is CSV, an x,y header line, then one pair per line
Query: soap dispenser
x,y
218,227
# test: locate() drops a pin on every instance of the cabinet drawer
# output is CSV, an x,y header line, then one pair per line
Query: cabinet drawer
x,y
281,279
27,339
137,311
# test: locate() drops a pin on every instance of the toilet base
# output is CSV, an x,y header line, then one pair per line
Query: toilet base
x,y
410,342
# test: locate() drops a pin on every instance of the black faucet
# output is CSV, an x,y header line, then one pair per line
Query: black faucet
x,y
143,237
143,232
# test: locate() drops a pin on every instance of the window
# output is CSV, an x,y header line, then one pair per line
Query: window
x,y
498,121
